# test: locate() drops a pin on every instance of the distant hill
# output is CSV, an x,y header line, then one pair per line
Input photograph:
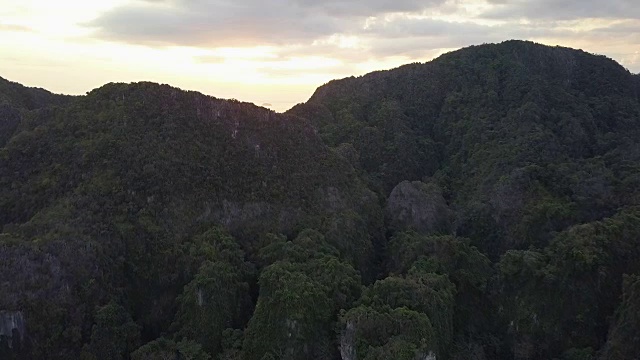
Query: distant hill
x,y
484,205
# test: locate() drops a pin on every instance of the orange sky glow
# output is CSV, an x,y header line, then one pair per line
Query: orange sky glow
x,y
276,53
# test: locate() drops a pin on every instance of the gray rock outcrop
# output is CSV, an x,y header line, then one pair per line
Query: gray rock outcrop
x,y
420,207
10,321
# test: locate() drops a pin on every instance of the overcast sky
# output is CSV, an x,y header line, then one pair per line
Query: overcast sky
x,y
279,51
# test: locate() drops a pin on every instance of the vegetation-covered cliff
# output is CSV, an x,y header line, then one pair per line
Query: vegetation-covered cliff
x,y
484,205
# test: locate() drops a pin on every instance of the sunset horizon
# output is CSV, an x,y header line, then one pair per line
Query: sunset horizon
x,y
277,54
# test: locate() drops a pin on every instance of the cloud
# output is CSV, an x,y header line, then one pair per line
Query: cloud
x,y
404,26
242,23
358,31
278,70
562,10
15,28
401,35
209,27
222,58
621,28
417,37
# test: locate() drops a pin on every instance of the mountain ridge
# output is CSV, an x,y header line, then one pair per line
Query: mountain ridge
x,y
425,110
482,205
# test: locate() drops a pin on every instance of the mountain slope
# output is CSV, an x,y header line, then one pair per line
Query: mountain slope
x,y
484,205
104,196
15,99
525,143
486,123
23,97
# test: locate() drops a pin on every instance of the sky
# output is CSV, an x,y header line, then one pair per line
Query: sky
x,y
276,53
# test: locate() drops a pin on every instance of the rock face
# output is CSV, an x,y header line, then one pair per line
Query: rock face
x,y
430,356
348,342
418,206
11,321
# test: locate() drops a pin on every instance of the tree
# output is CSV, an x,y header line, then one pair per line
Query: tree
x,y
216,299
114,334
291,319
163,349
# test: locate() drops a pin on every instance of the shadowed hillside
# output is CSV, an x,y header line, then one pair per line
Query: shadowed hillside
x,y
521,148
15,98
103,200
484,205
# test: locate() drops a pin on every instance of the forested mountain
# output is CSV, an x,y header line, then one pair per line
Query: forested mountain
x,y
484,205
15,97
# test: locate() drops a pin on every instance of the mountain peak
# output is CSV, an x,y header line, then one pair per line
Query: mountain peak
x,y
485,204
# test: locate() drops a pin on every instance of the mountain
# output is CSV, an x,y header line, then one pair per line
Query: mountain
x,y
104,197
29,98
484,205
494,126
529,145
15,98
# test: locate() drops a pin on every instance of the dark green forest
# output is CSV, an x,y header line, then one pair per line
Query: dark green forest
x,y
484,205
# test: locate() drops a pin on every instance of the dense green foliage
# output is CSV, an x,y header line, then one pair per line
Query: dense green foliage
x,y
485,205
119,197
14,98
